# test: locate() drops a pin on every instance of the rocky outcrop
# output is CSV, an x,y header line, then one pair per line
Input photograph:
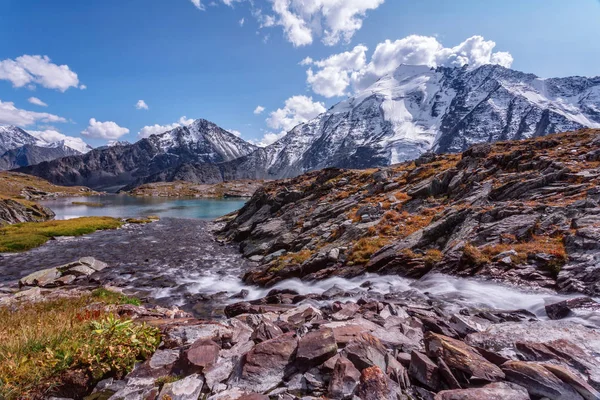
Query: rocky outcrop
x,y
64,274
523,212
232,189
14,211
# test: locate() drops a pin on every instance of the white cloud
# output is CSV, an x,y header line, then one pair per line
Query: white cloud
x,y
242,21
267,139
82,87
297,109
307,61
11,115
141,105
198,4
234,132
30,70
49,136
334,75
156,129
104,130
333,20
259,110
37,102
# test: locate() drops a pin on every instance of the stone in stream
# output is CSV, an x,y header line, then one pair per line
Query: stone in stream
x,y
344,379
188,388
539,381
493,391
564,308
64,274
43,278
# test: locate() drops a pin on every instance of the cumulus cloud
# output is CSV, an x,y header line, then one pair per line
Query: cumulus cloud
x,y
37,102
104,130
259,110
267,139
11,115
141,105
234,132
157,129
333,76
31,70
297,109
333,20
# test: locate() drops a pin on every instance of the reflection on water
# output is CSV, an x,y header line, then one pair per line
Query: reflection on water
x,y
128,206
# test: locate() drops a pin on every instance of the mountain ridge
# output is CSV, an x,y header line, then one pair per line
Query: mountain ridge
x,y
404,114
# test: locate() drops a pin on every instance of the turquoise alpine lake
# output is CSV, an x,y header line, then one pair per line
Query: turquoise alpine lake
x,y
123,206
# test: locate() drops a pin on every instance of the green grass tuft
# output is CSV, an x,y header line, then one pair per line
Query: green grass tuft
x,y
28,235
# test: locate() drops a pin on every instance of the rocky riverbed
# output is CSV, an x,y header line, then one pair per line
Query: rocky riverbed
x,y
171,261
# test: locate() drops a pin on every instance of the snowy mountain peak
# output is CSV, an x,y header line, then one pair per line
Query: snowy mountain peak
x,y
12,137
417,108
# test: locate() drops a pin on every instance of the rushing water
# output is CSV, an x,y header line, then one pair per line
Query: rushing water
x,y
177,261
129,206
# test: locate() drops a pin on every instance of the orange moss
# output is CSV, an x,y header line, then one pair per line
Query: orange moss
x,y
363,250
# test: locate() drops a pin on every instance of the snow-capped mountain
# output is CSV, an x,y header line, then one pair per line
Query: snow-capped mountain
x,y
19,148
404,114
159,157
417,108
12,137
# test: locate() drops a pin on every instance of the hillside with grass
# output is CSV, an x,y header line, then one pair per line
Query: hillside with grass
x,y
19,192
525,212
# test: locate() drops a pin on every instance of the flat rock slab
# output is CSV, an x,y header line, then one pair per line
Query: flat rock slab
x,y
539,381
493,391
460,356
189,388
315,348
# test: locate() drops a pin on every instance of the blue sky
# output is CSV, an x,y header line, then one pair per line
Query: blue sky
x,y
200,61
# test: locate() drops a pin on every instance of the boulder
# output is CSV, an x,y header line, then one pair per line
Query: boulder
x,y
266,330
203,353
344,379
373,385
539,381
569,377
43,278
188,388
493,391
265,366
366,351
460,356
564,308
315,348
424,371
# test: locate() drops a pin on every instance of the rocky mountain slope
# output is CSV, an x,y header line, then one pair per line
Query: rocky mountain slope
x,y
417,109
524,212
149,160
19,148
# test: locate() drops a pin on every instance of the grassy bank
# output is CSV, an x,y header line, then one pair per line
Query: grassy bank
x,y
65,346
28,235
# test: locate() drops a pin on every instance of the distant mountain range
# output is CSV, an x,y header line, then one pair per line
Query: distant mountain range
x,y
157,158
404,114
19,148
